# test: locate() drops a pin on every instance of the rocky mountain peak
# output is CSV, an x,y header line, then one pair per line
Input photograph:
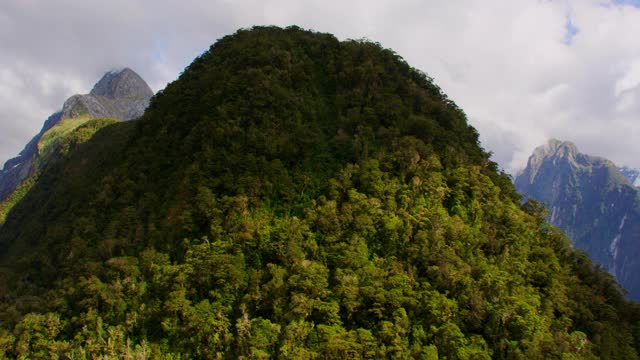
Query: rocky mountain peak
x,y
119,94
122,83
556,148
553,150
592,201
562,154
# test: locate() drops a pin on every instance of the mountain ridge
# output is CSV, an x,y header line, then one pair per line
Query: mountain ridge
x,y
592,201
120,94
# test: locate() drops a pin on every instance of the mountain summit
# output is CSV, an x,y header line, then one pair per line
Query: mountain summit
x,y
121,84
592,202
293,196
121,95
555,152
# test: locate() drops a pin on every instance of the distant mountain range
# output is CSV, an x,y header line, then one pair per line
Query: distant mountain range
x,y
593,201
119,94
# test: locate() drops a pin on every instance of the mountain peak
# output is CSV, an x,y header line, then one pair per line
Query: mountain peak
x,y
120,94
557,148
122,83
553,149
593,201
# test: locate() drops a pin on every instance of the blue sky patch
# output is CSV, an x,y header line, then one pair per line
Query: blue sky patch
x,y
635,3
571,31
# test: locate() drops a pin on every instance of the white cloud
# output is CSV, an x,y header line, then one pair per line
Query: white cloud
x,y
630,79
508,64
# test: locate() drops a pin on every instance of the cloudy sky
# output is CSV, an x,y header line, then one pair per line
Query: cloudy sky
x,y
523,70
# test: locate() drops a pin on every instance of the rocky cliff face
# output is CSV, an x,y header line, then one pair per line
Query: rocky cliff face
x,y
633,175
120,94
592,202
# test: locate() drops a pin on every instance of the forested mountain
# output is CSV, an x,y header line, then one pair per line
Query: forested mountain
x,y
593,203
293,196
120,94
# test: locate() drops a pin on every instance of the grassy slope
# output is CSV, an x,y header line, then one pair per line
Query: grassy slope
x,y
54,145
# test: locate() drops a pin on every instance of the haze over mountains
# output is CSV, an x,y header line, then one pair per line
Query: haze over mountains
x,y
119,94
593,202
294,196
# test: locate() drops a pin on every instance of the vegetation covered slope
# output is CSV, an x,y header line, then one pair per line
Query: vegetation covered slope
x,y
296,197
54,146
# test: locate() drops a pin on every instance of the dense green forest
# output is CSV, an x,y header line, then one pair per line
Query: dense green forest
x,y
293,196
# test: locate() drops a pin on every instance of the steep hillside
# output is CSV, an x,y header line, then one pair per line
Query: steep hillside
x,y
120,94
56,145
292,196
593,203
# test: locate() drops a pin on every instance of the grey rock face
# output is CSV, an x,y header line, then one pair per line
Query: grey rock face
x,y
123,95
633,175
120,94
121,84
16,170
592,202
